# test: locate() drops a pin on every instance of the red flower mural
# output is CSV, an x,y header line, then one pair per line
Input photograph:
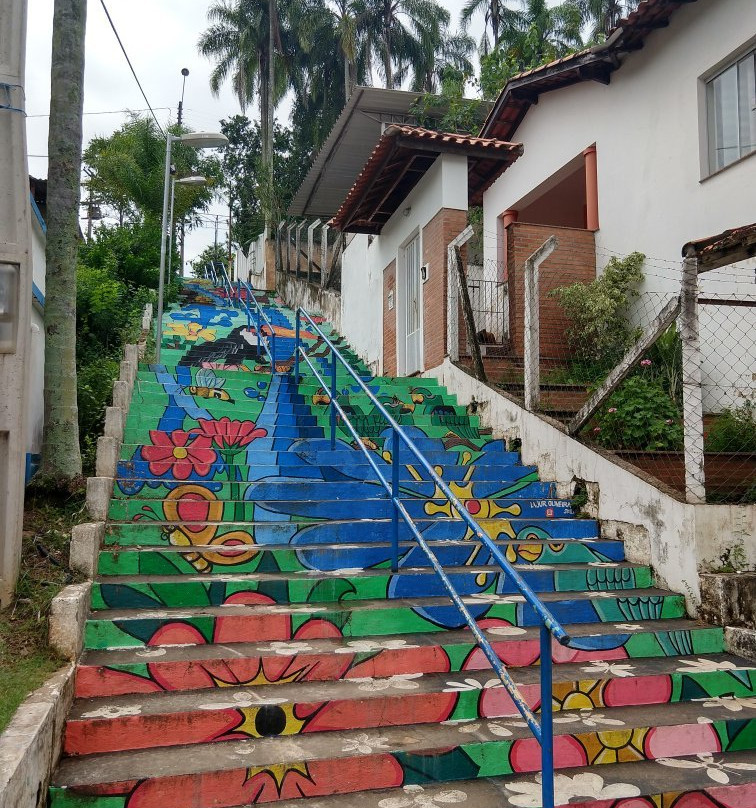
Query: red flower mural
x,y
228,434
180,451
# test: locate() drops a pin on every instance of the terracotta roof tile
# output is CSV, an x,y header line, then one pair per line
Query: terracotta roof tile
x,y
406,143
595,63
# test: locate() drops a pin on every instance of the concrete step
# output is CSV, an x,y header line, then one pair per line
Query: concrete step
x,y
173,552
127,627
642,783
199,666
240,772
314,586
373,504
309,535
180,717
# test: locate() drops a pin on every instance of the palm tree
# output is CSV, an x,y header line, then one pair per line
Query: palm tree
x,y
603,15
245,39
452,53
61,456
401,32
496,15
539,33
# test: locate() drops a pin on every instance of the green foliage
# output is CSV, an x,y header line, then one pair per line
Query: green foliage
x,y
449,111
533,35
639,415
734,430
211,254
600,331
245,176
115,278
127,171
666,359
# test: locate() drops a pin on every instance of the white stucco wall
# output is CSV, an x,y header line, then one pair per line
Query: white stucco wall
x,y
649,128
443,186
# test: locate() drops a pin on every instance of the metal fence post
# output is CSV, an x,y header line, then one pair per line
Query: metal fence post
x,y
695,482
394,497
333,399
532,326
311,248
324,255
296,349
547,722
298,246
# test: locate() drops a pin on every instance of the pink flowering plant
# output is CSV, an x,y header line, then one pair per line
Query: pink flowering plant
x,y
639,415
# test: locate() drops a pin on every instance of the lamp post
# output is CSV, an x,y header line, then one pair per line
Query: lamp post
x,y
197,140
195,180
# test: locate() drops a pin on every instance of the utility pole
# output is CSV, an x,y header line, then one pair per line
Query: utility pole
x,y
15,290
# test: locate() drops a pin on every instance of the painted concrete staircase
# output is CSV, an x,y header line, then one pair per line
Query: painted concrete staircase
x,y
248,642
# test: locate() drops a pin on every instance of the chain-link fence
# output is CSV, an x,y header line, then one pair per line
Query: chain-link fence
x,y
653,360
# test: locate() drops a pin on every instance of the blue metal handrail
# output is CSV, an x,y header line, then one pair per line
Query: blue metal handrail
x,y
269,341
550,626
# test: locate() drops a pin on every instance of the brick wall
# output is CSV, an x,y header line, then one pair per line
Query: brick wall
x,y
442,228
389,321
573,261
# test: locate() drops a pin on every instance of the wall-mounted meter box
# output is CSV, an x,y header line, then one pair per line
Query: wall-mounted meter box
x,y
9,289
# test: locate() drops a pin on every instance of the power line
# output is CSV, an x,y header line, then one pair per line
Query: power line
x,y
133,72
104,112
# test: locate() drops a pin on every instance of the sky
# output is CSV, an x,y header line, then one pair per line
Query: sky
x,y
160,37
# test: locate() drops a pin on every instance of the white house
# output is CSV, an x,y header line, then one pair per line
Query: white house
x,y
645,142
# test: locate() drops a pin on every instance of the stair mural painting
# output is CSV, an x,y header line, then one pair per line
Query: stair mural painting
x,y
249,643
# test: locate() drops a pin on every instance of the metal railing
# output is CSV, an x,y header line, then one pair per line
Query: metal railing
x,y
268,341
549,626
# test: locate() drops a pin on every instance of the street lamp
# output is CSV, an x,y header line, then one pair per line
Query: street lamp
x,y
194,180
197,140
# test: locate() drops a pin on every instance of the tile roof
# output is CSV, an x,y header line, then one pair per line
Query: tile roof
x,y
399,161
591,64
728,247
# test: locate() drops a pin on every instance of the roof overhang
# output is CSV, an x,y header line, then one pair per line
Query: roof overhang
x,y
400,160
350,144
593,64
728,247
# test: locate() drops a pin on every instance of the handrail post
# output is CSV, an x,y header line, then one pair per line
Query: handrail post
x,y
333,399
547,723
273,353
394,498
296,349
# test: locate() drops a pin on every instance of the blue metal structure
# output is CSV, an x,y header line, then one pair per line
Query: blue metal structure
x,y
268,342
549,626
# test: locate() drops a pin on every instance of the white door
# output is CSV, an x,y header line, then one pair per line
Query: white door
x,y
413,308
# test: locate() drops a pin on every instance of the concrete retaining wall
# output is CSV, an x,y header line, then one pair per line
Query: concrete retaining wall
x,y
678,540
297,292
30,745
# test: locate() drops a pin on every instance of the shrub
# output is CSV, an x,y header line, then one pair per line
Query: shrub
x,y
600,331
734,430
639,415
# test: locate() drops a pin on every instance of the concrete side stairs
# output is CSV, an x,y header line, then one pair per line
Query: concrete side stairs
x,y
248,643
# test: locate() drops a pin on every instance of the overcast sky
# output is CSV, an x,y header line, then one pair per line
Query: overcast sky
x,y
160,37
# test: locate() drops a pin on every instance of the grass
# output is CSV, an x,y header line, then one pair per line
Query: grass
x,y
26,660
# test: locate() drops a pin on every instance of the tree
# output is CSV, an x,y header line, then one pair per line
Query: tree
x,y
536,34
246,177
448,110
211,253
61,457
496,14
400,33
603,15
245,39
127,172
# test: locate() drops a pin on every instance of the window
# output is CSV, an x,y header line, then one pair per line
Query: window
x,y
731,111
